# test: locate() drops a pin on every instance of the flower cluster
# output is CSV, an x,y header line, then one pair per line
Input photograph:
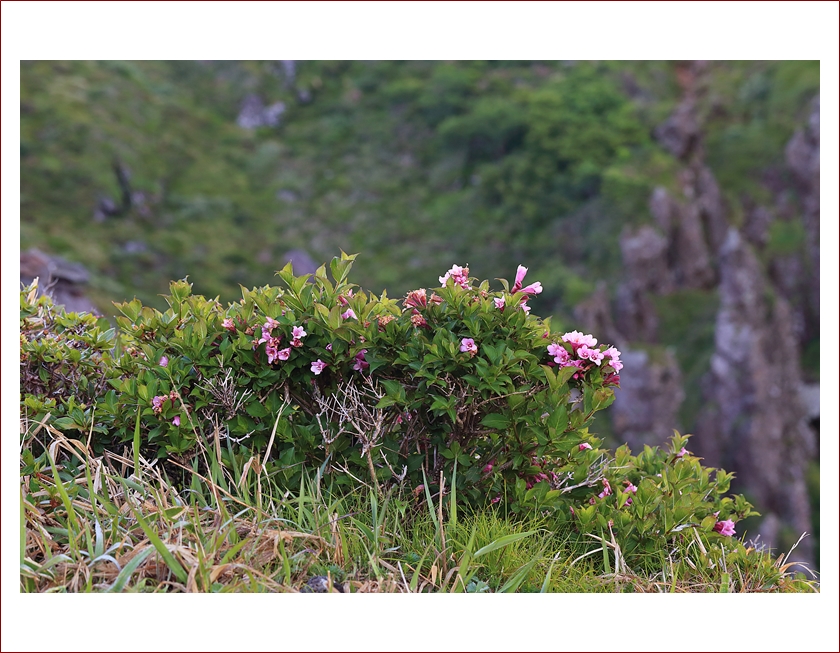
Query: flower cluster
x,y
158,404
584,355
531,289
458,274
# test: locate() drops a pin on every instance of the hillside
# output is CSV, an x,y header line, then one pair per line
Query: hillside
x,y
627,174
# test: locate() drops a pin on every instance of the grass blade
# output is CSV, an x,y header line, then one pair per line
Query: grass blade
x,y
502,541
160,547
125,572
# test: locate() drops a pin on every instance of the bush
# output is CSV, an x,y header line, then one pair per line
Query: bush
x,y
457,387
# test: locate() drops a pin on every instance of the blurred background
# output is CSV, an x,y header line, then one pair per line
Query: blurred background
x,y
670,208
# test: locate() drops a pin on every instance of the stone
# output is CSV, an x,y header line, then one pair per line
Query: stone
x,y
646,405
63,280
754,423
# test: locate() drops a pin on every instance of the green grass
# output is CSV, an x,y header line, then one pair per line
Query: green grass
x,y
98,524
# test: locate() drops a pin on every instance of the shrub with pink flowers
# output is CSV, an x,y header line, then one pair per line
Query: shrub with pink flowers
x,y
459,383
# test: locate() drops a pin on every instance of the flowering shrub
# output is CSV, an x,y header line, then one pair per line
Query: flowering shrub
x,y
458,383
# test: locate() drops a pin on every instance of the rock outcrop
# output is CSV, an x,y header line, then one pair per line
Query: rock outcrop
x,y
60,279
646,404
754,423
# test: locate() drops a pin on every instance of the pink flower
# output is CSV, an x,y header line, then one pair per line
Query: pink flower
x,y
361,364
157,403
343,300
681,452
576,338
561,356
227,323
584,445
418,320
612,353
521,271
593,355
468,345
499,302
329,347
270,323
298,333
297,343
176,420
631,489
416,298
458,274
164,361
726,527
283,354
607,489
496,499
318,366
348,314
525,308
487,468
533,289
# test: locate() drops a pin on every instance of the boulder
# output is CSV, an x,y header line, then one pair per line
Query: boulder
x,y
59,278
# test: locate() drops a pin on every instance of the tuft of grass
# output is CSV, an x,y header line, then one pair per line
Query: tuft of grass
x,y
103,524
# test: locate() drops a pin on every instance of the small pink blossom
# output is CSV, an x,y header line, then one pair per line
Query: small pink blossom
x,y
499,302
496,499
631,489
360,364
297,343
561,356
593,355
157,403
521,271
576,338
487,468
458,274
318,366
176,420
270,323
228,324
329,347
533,289
525,308
468,345
283,354
349,314
164,361
726,527
418,320
681,452
584,445
613,354
298,333
607,489
416,299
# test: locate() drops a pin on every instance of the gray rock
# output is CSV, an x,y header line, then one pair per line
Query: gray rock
x,y
59,278
302,263
646,404
254,113
754,423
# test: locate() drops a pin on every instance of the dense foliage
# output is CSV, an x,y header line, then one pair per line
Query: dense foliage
x,y
458,388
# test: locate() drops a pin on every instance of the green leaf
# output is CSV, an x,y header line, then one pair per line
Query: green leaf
x,y
501,542
496,421
125,572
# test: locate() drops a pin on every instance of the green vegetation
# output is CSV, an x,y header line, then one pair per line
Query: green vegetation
x,y
88,526
418,164
466,468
